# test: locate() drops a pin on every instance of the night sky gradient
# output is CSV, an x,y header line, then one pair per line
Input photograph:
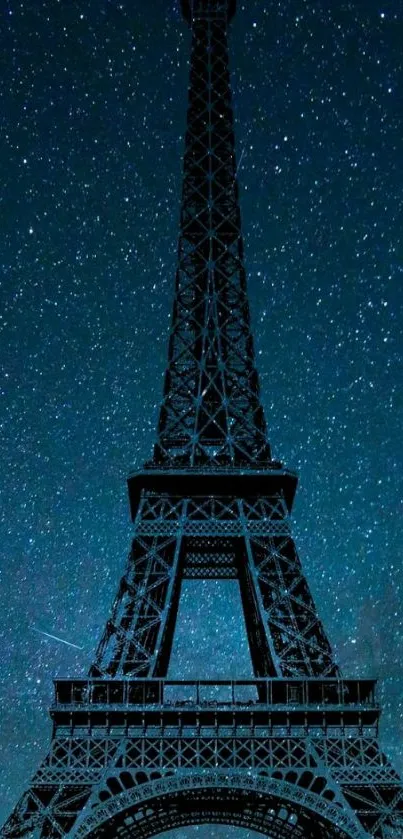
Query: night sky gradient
x,y
93,115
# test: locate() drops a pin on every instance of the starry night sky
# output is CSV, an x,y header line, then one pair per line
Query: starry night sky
x,y
93,109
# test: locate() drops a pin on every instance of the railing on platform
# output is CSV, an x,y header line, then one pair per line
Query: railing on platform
x,y
309,693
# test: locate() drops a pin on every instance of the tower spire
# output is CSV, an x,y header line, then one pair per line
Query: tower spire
x,y
211,412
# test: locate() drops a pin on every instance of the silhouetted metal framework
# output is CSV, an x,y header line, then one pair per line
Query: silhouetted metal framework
x,y
211,412
293,752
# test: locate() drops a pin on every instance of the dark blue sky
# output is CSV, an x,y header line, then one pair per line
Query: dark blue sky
x,y
93,118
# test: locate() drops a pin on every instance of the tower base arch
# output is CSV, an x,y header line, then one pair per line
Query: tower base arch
x,y
276,808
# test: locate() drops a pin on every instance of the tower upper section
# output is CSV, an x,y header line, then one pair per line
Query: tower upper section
x,y
193,9
211,413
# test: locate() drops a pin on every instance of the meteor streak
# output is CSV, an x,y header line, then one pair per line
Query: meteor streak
x,y
240,160
55,638
239,163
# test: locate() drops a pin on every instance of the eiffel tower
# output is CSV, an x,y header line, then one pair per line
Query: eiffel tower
x,y
294,751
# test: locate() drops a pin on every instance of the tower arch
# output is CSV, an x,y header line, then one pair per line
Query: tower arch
x,y
272,806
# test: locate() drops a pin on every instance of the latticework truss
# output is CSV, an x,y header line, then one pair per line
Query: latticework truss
x,y
211,412
214,537
293,753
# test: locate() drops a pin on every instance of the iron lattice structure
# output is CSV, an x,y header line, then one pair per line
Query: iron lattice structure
x,y
293,752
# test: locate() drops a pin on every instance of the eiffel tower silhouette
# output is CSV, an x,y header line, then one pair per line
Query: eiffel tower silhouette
x,y
294,751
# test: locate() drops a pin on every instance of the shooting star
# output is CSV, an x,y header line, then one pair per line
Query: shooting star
x,y
239,163
240,160
55,638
